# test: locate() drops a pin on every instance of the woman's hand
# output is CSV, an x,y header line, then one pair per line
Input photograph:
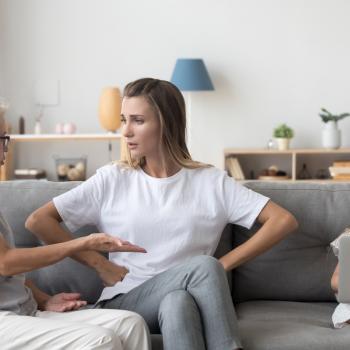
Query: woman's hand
x,y
64,302
111,273
106,243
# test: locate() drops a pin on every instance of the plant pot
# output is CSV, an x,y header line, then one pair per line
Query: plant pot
x,y
282,143
331,135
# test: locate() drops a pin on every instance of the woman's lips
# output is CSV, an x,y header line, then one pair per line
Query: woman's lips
x,y
132,145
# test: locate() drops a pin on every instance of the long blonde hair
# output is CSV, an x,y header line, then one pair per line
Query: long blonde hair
x,y
169,105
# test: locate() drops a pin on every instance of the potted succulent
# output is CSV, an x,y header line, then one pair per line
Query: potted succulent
x,y
331,136
283,134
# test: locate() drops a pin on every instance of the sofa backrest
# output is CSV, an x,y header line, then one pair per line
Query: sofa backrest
x,y
18,199
300,267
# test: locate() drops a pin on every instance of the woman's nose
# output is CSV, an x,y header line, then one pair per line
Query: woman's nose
x,y
126,130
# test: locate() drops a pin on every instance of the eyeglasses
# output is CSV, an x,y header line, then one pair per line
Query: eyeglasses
x,y
5,140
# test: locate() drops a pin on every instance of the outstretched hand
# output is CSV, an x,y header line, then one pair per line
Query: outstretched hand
x,y
107,243
64,302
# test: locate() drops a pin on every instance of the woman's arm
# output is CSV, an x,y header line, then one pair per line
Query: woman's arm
x,y
19,260
14,261
45,224
59,303
40,297
335,279
276,224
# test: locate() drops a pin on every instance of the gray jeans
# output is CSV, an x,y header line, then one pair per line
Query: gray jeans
x,y
189,304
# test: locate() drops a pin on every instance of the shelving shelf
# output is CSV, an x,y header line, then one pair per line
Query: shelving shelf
x,y
6,170
63,137
253,161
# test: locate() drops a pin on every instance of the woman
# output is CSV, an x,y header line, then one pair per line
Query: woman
x,y
174,207
341,314
31,319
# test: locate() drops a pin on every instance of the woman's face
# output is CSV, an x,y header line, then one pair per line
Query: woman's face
x,y
140,127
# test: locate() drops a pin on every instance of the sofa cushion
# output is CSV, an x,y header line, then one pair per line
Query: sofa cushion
x,y
225,246
275,325
300,267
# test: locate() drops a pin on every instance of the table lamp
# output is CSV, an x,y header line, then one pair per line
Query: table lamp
x,y
190,74
109,109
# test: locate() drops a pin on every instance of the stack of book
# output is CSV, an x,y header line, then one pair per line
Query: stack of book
x,y
340,170
22,174
234,168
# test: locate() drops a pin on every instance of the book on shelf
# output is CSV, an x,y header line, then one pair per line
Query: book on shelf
x,y
341,164
24,174
341,177
339,170
234,168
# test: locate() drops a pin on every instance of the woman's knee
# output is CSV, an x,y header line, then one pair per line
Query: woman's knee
x,y
135,333
101,338
206,263
175,305
136,321
178,298
132,323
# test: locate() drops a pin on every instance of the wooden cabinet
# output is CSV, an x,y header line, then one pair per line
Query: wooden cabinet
x,y
316,161
6,171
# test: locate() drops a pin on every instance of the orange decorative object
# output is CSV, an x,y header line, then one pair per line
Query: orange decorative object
x,y
109,109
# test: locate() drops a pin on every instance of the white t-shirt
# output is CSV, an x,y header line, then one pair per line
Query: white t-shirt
x,y
173,218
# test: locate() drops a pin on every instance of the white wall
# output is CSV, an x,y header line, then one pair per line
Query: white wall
x,y
2,30
271,61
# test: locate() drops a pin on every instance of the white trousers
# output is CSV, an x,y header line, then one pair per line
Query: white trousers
x,y
76,330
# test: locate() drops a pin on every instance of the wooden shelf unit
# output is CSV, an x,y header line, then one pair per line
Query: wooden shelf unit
x,y
6,171
253,161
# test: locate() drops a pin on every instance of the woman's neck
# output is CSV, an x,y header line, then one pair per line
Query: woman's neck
x,y
155,169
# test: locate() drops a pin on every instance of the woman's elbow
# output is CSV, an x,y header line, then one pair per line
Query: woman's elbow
x,y
334,283
32,221
5,268
290,222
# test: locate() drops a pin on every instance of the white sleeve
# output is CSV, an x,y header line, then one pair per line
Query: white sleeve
x,y
81,205
341,315
335,244
243,205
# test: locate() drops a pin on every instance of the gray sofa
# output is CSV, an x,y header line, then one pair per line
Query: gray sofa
x,y
283,298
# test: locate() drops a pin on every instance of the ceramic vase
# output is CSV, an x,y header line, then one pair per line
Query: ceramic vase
x,y
331,136
37,127
109,109
282,143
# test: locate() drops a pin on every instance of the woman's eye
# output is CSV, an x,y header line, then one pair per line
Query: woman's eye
x,y
139,121
122,120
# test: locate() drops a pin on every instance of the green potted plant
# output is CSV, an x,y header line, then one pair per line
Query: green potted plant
x,y
283,133
331,135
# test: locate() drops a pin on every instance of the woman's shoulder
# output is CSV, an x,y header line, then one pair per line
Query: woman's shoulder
x,y
114,169
209,173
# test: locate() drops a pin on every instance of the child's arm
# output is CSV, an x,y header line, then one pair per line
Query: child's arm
x,y
335,279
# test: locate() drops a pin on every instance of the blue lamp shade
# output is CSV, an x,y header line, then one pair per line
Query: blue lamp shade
x,y
190,74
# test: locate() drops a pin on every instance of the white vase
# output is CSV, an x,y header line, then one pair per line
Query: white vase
x,y
37,127
282,143
331,136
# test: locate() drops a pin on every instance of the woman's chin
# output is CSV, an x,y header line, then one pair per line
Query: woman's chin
x,y
135,152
